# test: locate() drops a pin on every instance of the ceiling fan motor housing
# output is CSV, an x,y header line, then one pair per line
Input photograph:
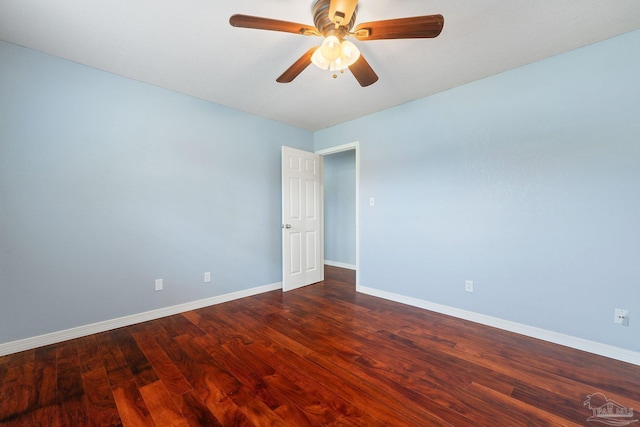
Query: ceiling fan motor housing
x,y
325,26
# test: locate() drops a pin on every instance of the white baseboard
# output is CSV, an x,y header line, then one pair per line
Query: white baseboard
x,y
94,328
340,264
612,352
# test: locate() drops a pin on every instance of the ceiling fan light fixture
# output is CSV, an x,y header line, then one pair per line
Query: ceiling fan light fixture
x,y
333,55
319,61
349,53
330,48
336,65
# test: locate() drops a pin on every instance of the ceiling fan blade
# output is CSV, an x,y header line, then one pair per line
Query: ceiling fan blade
x,y
297,67
417,27
363,72
258,23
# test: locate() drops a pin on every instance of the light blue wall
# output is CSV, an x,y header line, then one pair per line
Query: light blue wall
x,y
340,207
527,183
107,184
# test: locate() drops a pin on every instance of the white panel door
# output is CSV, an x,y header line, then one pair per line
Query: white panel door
x,y
302,234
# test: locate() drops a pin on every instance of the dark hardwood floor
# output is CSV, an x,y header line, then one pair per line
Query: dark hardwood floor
x,y
320,355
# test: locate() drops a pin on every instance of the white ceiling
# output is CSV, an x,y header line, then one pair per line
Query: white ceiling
x,y
189,47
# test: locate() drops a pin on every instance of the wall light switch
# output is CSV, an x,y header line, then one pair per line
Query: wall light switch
x,y
372,201
159,284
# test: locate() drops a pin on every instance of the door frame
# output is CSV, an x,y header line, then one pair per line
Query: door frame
x,y
338,149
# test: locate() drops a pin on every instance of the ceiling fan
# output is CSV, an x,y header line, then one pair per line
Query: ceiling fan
x,y
333,21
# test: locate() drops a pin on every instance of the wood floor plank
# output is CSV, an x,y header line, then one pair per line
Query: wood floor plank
x,y
89,354
44,416
179,325
114,362
319,355
361,391
162,408
267,385
70,390
217,329
44,389
330,398
135,359
131,406
229,387
194,411
99,402
224,410
4,368
162,365
16,392
526,414
546,402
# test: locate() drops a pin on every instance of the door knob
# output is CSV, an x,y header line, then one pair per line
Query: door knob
x,y
286,225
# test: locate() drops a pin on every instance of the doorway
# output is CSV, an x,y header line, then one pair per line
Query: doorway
x,y
341,178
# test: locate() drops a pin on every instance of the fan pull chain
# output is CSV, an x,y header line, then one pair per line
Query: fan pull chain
x,y
335,76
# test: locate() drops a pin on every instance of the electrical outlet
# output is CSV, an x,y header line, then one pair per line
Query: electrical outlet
x,y
207,277
159,284
468,285
621,316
